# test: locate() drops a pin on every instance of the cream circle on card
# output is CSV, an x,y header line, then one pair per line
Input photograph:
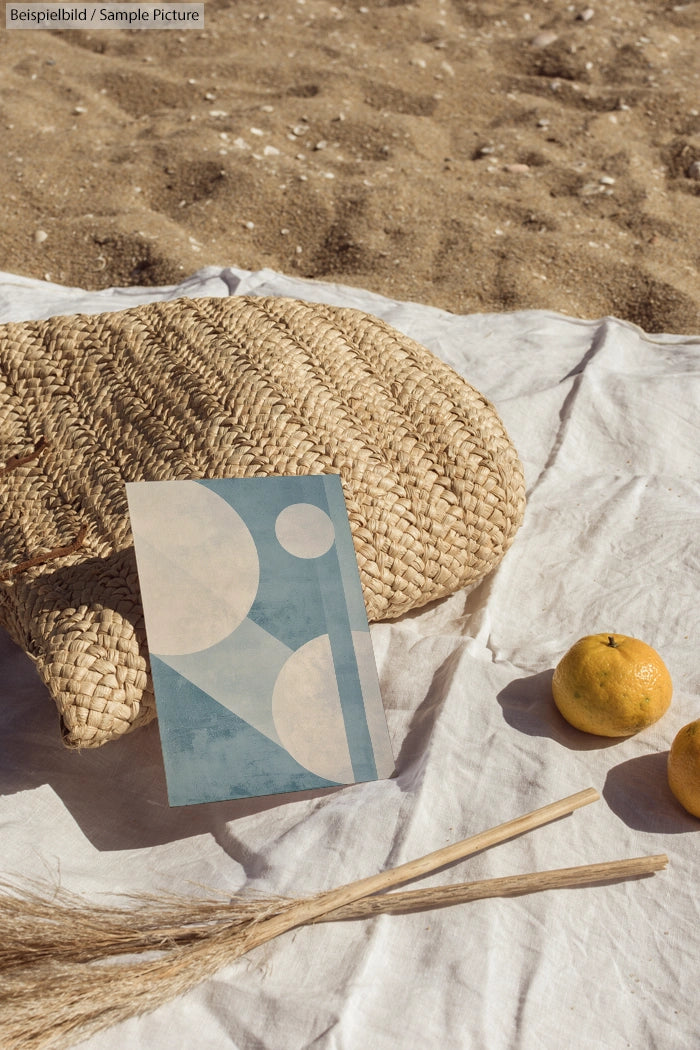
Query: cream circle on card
x,y
304,530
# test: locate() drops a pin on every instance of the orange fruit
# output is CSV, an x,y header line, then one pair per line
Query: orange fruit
x,y
684,767
611,685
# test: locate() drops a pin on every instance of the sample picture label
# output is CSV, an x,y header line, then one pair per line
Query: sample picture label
x,y
104,16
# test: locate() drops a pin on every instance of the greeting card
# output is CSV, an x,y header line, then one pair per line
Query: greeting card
x,y
260,651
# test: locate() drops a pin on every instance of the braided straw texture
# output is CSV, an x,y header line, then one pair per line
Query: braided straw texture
x,y
225,387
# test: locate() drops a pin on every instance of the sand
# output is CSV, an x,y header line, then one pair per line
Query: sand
x,y
476,156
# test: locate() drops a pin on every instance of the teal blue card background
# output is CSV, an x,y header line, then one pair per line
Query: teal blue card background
x,y
260,650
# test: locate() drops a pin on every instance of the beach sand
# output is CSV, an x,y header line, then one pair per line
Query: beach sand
x,y
476,156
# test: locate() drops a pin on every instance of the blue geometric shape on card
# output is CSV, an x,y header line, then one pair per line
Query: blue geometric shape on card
x,y
294,612
210,753
233,673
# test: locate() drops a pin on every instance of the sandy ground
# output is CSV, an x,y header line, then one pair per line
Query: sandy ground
x,y
477,156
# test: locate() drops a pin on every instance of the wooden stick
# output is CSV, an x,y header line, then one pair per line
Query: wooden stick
x,y
509,886
307,910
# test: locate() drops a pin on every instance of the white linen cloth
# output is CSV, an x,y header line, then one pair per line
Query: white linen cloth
x,y
605,419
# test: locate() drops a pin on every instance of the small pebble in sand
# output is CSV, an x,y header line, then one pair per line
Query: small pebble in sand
x,y
544,39
694,170
607,180
40,236
516,169
586,15
589,188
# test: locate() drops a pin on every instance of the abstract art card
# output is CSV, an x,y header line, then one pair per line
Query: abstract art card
x,y
261,656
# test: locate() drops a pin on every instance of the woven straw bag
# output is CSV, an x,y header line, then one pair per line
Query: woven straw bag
x,y
233,387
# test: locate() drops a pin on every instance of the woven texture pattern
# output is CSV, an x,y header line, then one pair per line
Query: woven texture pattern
x,y
233,387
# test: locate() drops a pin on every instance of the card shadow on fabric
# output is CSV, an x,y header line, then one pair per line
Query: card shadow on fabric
x,y
116,794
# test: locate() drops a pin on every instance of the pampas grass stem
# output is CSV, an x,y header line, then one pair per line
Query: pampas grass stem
x,y
71,968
